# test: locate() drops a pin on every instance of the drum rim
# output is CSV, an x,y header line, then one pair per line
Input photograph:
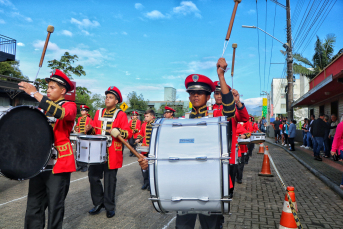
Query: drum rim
x,y
92,137
52,140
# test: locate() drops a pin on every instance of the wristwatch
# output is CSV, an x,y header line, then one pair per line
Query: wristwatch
x,y
32,94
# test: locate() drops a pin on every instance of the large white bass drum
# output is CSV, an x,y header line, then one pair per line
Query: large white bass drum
x,y
189,165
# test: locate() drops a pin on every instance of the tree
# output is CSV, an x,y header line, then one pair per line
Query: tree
x,y
65,65
11,68
137,102
323,55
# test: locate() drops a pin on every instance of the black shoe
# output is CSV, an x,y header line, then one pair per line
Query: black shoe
x,y
144,186
110,214
96,209
239,181
78,168
230,195
246,163
84,169
148,188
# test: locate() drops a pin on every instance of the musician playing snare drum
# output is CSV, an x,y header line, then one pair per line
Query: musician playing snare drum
x,y
135,125
113,120
49,189
200,88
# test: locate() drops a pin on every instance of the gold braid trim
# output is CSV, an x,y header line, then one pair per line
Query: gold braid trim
x,y
123,133
51,103
248,135
229,104
233,110
63,113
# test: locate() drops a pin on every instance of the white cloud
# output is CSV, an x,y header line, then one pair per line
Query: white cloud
x,y
195,66
85,23
124,33
7,3
145,35
18,15
139,6
172,77
155,14
2,21
85,32
127,73
187,7
251,11
67,33
253,101
20,44
51,46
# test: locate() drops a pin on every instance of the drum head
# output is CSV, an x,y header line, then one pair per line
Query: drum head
x,y
26,139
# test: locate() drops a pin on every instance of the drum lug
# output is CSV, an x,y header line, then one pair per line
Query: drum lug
x,y
225,157
226,199
154,199
151,158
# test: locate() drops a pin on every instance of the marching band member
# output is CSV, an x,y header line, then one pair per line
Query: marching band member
x,y
82,122
242,133
113,120
135,125
241,115
169,112
144,137
249,126
200,88
49,189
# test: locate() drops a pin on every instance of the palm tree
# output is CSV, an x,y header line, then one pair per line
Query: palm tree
x,y
323,55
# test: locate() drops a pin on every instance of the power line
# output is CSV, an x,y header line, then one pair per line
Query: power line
x,y
258,48
265,48
271,52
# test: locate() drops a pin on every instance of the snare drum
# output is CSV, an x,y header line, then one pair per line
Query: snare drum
x,y
73,137
143,149
257,138
92,149
26,142
245,141
189,166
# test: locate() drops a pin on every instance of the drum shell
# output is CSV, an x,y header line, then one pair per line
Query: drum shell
x,y
243,141
74,137
257,138
191,180
92,149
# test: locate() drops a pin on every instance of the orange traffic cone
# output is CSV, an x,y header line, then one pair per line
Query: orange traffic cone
x,y
265,171
261,150
287,220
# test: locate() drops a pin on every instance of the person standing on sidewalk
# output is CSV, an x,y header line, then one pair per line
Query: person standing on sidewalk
x,y
304,129
334,123
318,132
309,135
337,144
276,125
263,124
291,134
326,137
285,132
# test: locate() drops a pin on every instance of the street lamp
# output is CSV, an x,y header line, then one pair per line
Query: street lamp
x,y
285,45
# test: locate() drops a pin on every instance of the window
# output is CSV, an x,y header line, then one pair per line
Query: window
x,y
283,106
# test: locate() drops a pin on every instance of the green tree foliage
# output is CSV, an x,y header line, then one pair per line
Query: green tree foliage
x,y
11,68
137,102
95,102
323,55
65,65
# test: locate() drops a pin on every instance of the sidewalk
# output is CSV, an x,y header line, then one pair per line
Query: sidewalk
x,y
329,171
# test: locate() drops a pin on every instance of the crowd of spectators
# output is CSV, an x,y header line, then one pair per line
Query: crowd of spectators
x,y
284,132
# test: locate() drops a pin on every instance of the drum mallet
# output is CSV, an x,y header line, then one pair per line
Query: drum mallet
x,y
227,38
125,143
234,46
50,30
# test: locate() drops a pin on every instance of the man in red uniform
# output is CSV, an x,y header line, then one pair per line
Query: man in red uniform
x,y
243,152
135,125
241,115
200,88
49,189
169,112
249,126
113,120
82,122
144,137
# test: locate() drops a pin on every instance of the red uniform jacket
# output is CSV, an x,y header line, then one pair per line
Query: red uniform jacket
x,y
135,125
255,127
65,115
115,151
145,133
249,126
242,148
241,115
82,122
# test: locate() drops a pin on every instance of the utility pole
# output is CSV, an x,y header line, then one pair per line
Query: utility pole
x,y
289,63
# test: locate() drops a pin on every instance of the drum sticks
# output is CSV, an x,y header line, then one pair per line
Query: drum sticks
x,y
234,46
228,34
126,144
50,30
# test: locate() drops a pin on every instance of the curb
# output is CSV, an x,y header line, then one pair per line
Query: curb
x,y
321,176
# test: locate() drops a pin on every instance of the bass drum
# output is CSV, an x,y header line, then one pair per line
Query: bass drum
x,y
26,140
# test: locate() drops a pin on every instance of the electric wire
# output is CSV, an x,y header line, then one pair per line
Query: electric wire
x,y
258,49
271,52
265,48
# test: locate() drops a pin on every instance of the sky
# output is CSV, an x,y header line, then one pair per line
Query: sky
x,y
144,46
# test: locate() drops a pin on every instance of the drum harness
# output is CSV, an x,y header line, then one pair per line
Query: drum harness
x,y
105,121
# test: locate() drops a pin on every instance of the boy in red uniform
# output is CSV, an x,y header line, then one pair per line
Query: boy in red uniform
x,y
135,125
243,133
200,88
49,189
169,112
144,137
249,126
82,122
109,119
241,115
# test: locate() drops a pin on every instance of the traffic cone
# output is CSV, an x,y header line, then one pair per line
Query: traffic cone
x,y
287,220
265,171
261,150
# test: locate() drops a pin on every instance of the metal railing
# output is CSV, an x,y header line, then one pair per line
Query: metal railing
x,y
8,45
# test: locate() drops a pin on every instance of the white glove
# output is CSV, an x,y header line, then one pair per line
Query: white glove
x,y
115,132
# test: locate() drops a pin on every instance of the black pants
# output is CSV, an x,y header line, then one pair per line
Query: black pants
x,y
233,172
291,141
249,154
46,190
327,146
146,177
240,167
99,194
206,222
81,165
287,140
132,143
